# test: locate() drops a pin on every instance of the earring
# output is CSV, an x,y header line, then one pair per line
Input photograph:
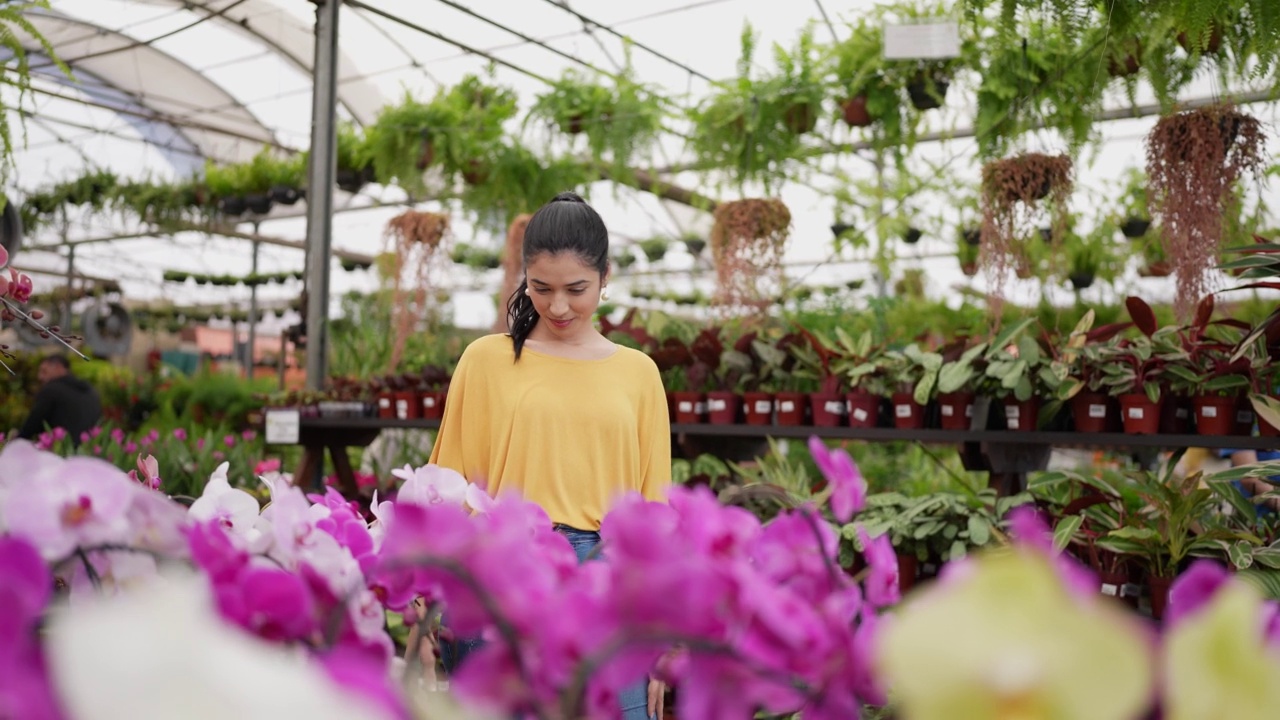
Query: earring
x,y
526,290
604,293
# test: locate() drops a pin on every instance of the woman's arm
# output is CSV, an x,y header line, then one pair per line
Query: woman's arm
x,y
655,440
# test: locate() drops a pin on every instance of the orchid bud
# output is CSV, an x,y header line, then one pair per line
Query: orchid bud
x,y
36,314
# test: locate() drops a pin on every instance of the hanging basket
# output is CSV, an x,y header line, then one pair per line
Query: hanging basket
x,y
1194,159
1013,190
747,243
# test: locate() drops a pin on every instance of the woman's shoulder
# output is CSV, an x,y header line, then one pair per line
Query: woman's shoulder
x,y
487,347
634,358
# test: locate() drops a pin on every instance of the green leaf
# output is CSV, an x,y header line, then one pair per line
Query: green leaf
x,y
1239,555
958,550
979,530
1065,530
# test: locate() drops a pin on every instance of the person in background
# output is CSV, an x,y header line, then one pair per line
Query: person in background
x,y
556,412
63,401
1250,487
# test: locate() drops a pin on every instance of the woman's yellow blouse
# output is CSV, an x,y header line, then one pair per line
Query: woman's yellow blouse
x,y
568,435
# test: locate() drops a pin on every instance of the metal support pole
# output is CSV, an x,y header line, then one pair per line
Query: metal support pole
x,y
253,312
320,189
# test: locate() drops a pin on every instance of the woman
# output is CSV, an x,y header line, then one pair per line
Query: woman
x,y
555,411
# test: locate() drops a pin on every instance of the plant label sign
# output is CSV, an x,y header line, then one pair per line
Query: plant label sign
x,y
927,41
717,405
282,427
1097,411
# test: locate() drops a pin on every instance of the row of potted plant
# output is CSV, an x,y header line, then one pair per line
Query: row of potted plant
x,y
1214,377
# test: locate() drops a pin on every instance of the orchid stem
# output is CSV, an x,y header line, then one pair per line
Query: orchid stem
x,y
36,324
89,569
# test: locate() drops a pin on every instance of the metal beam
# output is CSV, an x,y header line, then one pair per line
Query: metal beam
x,y
322,174
219,230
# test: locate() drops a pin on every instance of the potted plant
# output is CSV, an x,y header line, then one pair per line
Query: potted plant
x,y
1193,161
621,118
1019,371
1089,257
674,360
1012,190
1133,212
859,363
817,362
913,373
748,241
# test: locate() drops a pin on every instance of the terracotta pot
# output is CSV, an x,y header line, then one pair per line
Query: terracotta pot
x,y
406,405
1175,415
1021,415
826,409
790,407
955,410
855,112
689,406
1158,589
863,409
757,408
1091,412
722,407
907,413
1244,416
908,568
432,404
386,405
1141,416
1215,414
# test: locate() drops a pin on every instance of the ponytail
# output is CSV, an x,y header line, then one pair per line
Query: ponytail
x,y
522,318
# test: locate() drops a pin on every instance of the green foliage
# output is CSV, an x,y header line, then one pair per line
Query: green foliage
x,y
17,68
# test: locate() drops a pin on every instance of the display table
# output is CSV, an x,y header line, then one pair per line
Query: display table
x,y
318,434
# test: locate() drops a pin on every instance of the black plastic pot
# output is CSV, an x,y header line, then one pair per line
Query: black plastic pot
x,y
258,203
912,236
350,180
927,92
1080,281
1046,234
232,206
840,228
285,195
1135,227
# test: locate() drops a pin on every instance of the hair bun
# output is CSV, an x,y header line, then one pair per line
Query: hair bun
x,y
568,196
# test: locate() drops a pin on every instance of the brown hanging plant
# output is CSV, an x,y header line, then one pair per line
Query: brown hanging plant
x,y
747,243
1013,191
1193,160
419,237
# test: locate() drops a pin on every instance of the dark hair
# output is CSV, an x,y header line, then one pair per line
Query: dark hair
x,y
566,224
57,359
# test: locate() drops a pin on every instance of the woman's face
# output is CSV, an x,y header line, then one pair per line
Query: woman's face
x,y
565,292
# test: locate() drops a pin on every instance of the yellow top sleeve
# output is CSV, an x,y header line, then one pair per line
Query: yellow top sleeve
x,y
568,435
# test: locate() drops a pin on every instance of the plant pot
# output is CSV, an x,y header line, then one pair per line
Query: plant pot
x,y
955,410
1140,415
432,402
757,408
855,112
285,195
1135,227
1211,47
1162,268
907,413
1175,415
908,569
258,203
350,181
1158,594
690,406
1125,66
912,236
1215,414
386,405
1081,281
722,407
862,409
973,236
232,206
927,92
1021,415
790,407
428,155
827,409
406,405
969,269
800,118
475,174
1091,412
1244,416
1116,585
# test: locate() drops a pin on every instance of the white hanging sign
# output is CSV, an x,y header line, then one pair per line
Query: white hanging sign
x,y
922,41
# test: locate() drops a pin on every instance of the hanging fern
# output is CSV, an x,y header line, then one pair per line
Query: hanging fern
x,y
17,69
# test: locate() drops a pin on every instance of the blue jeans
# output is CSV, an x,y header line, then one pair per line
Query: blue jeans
x,y
634,700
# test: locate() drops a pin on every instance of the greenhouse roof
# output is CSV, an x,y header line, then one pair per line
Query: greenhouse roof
x,y
160,86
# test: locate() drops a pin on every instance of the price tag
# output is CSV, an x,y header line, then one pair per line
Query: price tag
x,y
402,409
860,415
1097,411
1137,413
684,406
948,410
835,407
428,401
384,403
902,411
1013,423
786,406
717,405
763,407
1209,411
1109,589
282,427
